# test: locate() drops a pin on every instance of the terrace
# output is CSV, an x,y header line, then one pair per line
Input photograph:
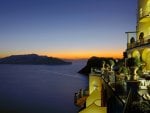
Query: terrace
x,y
135,43
119,94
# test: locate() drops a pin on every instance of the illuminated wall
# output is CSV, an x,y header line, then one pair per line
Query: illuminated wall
x,y
93,102
94,97
143,25
136,54
93,108
141,49
146,58
94,83
143,22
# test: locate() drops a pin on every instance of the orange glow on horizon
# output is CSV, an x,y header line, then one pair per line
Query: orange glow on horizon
x,y
86,54
73,55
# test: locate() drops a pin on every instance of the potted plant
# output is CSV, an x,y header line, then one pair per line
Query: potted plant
x,y
133,64
112,63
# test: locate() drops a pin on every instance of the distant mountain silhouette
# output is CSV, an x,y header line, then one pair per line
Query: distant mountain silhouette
x,y
32,59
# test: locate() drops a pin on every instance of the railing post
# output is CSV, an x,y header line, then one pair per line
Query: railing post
x,y
75,97
81,93
128,38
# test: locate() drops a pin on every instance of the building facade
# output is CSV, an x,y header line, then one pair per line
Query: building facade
x,y
138,42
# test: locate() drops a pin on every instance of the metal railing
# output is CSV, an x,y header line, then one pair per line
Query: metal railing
x,y
138,43
113,101
127,102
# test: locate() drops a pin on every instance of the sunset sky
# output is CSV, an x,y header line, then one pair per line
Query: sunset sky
x,y
66,28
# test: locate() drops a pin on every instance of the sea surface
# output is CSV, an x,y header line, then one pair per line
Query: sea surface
x,y
40,88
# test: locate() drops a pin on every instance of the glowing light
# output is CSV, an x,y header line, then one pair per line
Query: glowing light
x,y
94,109
94,81
148,62
145,53
93,97
135,54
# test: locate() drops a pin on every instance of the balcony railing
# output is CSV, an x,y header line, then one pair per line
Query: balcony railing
x,y
80,97
138,44
122,98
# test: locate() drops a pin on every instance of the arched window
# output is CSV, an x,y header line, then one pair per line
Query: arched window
x,y
141,37
132,40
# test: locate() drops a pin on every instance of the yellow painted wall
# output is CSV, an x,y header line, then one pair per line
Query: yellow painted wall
x,y
95,95
144,27
93,108
148,62
143,24
136,54
146,57
93,102
94,83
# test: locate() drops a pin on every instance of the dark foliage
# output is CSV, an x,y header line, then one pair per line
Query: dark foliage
x,y
139,107
94,62
131,62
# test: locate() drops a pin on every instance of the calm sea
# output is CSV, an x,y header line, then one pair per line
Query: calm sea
x,y
40,88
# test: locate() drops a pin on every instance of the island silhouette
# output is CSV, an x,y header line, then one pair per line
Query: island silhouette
x,y
33,59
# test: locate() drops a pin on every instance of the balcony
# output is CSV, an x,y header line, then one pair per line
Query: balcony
x,y
144,42
121,95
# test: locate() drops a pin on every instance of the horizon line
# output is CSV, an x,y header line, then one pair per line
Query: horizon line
x,y
71,57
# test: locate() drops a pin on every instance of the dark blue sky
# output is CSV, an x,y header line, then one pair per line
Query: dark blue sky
x,y
66,28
